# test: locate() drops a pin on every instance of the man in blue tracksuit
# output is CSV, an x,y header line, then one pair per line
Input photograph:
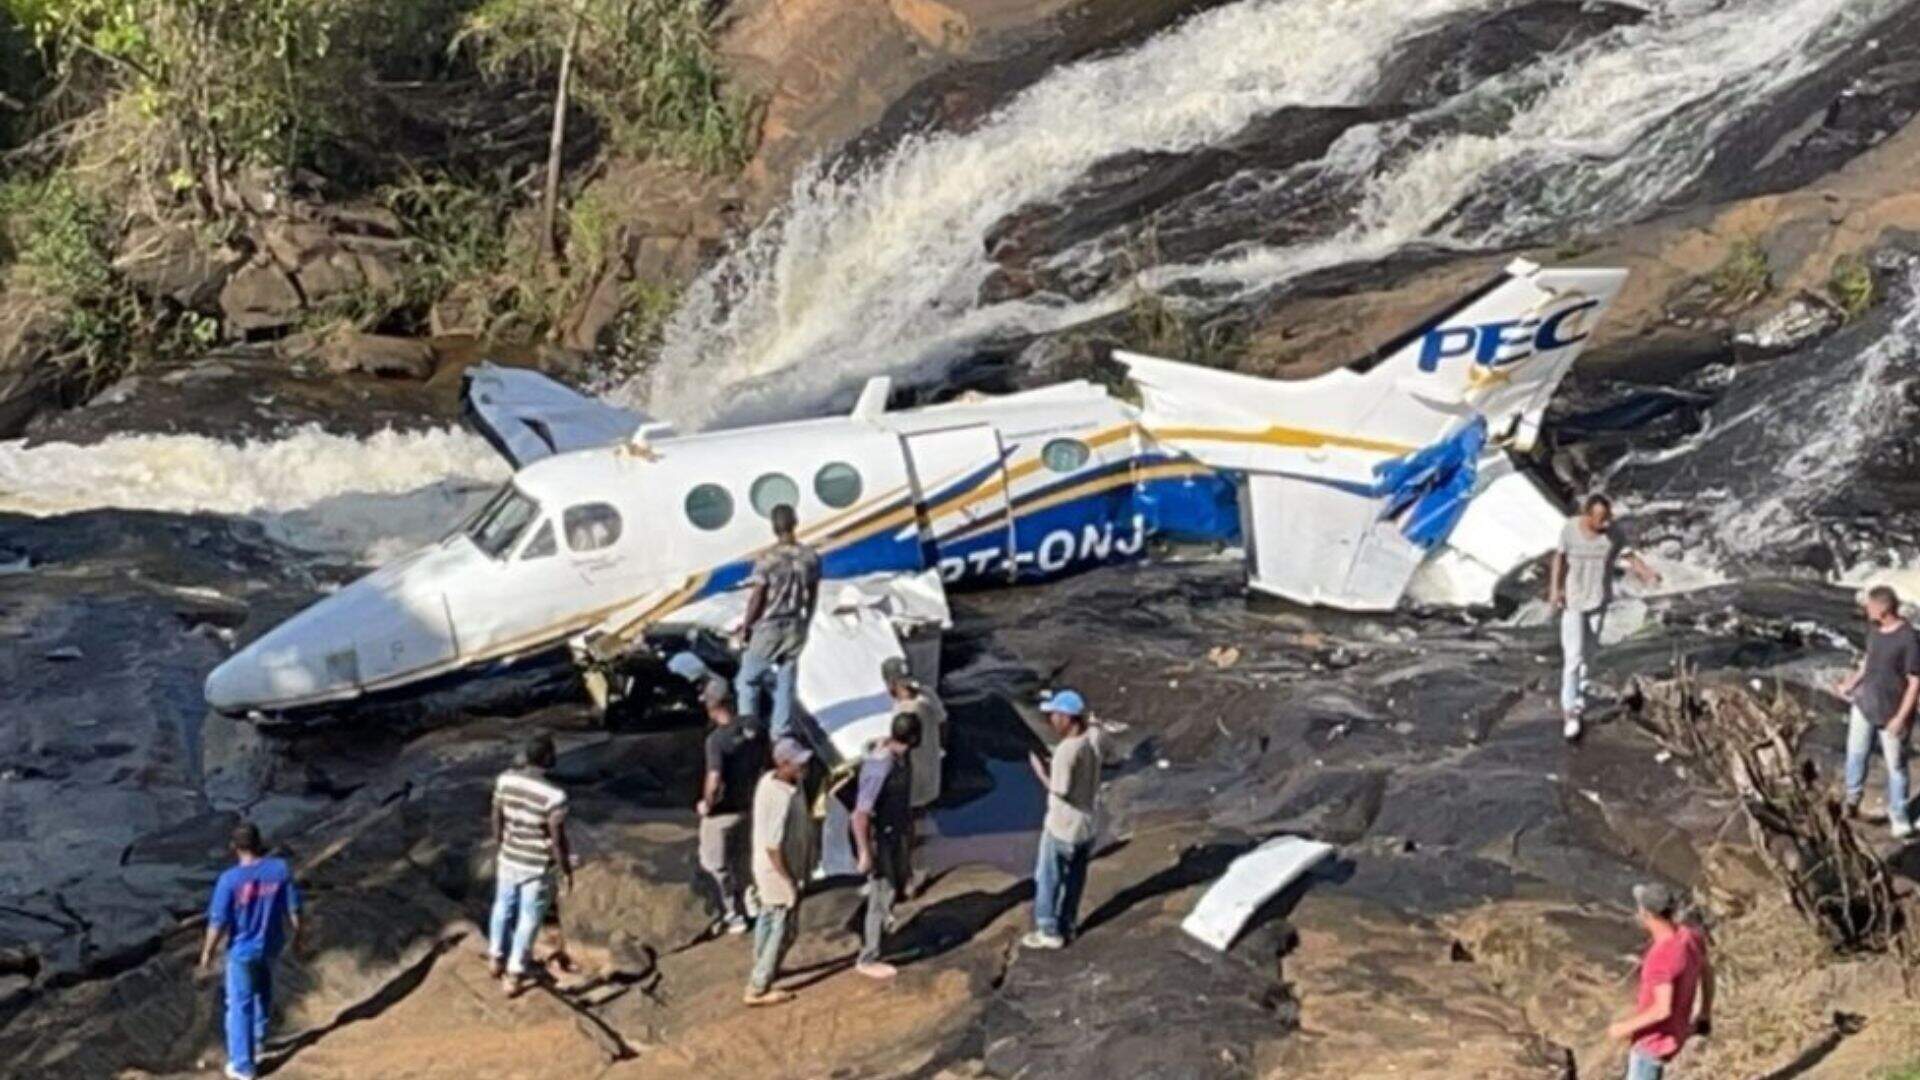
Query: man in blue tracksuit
x,y
256,909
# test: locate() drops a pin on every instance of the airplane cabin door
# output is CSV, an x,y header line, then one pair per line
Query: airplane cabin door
x,y
960,501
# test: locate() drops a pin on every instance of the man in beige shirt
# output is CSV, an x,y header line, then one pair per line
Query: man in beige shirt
x,y
783,856
1072,781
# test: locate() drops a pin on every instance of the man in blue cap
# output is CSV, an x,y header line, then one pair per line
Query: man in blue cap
x,y
1072,781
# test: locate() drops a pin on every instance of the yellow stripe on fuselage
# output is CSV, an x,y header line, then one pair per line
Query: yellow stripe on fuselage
x,y
1279,436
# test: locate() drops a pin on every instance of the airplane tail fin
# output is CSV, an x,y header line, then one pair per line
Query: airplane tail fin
x,y
1354,478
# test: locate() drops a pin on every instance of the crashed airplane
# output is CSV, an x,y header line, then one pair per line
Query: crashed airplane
x,y
1385,479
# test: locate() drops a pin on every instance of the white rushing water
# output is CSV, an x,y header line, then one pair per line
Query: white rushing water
x,y
363,499
879,272
1785,438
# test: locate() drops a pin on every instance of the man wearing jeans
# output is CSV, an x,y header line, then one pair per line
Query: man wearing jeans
x,y
1675,976
1580,585
734,760
1883,689
1066,839
256,907
883,834
530,827
785,585
783,856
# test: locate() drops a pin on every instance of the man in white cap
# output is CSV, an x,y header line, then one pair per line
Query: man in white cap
x,y
1072,781
783,857
1675,977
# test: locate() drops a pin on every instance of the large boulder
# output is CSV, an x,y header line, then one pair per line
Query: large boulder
x,y
174,262
260,296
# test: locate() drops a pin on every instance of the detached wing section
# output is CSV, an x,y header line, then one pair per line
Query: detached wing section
x,y
528,416
1358,480
860,623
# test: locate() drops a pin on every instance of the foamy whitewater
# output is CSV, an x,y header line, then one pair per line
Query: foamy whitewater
x,y
363,499
879,273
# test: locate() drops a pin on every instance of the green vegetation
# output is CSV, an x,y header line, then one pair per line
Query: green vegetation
x,y
645,69
1745,276
1850,287
1910,1071
207,113
1158,327
197,87
58,239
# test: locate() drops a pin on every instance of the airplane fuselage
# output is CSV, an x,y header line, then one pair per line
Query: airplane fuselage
x,y
1021,488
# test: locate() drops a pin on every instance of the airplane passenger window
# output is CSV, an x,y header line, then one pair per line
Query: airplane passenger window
x,y
542,544
591,527
709,507
837,484
1065,455
770,491
499,523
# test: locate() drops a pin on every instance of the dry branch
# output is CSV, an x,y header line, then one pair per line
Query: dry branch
x,y
1799,824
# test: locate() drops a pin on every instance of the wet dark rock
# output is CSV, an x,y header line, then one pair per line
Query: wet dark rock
x,y
1438,65
1127,190
1829,422
1135,1004
252,394
1855,102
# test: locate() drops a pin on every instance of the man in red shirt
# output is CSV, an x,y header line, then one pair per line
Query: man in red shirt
x,y
1674,977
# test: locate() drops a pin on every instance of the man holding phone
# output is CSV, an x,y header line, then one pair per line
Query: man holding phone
x,y
1072,780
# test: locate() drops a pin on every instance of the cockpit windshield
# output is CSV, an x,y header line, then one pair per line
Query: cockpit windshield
x,y
499,524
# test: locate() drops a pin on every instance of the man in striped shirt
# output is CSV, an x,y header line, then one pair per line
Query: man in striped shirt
x,y
529,825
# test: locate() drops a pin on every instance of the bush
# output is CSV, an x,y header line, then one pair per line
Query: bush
x,y
1850,286
645,69
58,242
1745,275
57,238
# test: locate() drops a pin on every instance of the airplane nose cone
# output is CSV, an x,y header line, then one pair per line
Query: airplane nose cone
x,y
382,629
223,689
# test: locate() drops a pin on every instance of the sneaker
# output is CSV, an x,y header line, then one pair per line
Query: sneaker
x,y
737,924
1572,728
877,970
1901,830
1038,940
767,997
232,1073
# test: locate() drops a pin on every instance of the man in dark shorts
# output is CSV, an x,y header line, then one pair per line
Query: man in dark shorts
x,y
734,759
883,834
256,910
785,586
1883,690
1675,977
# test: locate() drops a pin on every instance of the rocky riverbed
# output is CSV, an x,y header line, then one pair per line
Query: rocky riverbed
x,y
1475,919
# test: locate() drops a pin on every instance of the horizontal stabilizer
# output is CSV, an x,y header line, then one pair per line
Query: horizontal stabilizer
x,y
528,416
